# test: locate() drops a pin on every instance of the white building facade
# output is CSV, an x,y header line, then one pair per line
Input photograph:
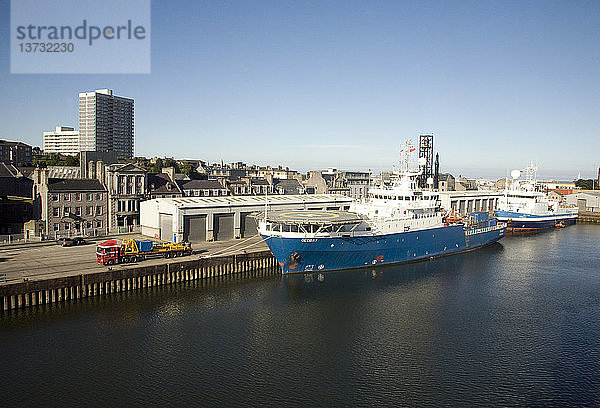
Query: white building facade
x,y
63,140
106,122
197,219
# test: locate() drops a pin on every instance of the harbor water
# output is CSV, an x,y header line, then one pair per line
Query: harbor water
x,y
513,324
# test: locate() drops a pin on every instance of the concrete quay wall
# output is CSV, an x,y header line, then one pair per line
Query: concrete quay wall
x,y
54,290
588,218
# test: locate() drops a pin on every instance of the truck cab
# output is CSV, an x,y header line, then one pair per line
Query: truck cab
x,y
108,252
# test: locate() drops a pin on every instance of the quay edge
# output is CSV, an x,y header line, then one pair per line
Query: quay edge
x,y
24,294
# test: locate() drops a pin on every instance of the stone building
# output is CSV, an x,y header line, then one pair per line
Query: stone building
x,y
16,206
127,185
446,182
202,188
71,207
161,185
17,153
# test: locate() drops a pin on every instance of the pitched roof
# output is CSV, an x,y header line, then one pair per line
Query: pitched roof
x,y
445,176
26,171
161,183
125,167
200,185
8,170
16,186
288,183
181,176
8,143
74,185
289,186
259,182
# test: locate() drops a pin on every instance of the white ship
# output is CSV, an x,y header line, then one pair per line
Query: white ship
x,y
525,208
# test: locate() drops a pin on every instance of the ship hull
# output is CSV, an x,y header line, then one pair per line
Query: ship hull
x,y
517,222
299,255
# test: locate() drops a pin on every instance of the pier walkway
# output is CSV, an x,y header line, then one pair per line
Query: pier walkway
x,y
50,260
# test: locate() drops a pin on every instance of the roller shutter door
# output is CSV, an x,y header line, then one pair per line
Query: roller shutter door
x,y
248,225
223,227
194,228
166,227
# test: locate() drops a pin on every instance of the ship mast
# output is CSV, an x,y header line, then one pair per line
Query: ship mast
x,y
406,151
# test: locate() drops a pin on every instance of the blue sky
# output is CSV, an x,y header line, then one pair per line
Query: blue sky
x,y
342,84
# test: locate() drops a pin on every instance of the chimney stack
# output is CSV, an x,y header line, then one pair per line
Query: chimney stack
x,y
170,171
100,171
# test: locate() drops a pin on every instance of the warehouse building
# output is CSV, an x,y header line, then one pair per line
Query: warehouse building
x,y
196,219
587,201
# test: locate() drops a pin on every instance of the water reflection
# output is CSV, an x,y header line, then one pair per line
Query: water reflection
x,y
512,324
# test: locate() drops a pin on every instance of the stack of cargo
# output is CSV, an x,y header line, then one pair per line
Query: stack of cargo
x,y
482,220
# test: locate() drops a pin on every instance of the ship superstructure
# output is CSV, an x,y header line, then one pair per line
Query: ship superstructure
x,y
396,223
525,208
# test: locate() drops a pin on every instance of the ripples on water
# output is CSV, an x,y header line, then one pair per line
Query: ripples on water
x,y
516,323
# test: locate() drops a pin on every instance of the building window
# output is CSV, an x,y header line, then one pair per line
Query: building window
x,y
77,210
88,224
98,210
56,211
90,196
57,227
89,210
79,196
67,197
67,226
98,196
121,184
66,211
98,224
55,197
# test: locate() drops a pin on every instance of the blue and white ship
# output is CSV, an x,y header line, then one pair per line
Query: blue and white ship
x,y
524,208
396,223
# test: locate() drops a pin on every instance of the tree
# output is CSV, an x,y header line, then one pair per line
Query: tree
x,y
55,159
157,166
189,170
588,184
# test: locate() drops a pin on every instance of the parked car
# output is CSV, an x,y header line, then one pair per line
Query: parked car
x,y
66,242
79,241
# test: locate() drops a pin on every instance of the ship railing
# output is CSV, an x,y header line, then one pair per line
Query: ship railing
x,y
485,229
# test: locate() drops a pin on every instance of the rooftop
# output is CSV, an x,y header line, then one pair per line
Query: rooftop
x,y
200,185
161,183
228,201
8,170
74,185
313,217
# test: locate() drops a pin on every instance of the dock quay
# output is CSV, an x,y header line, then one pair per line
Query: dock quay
x,y
588,218
41,275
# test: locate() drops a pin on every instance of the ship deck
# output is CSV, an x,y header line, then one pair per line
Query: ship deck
x,y
311,217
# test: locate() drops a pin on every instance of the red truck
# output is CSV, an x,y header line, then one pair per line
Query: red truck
x,y
130,250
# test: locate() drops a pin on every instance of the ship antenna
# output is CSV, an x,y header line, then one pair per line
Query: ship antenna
x,y
266,205
406,153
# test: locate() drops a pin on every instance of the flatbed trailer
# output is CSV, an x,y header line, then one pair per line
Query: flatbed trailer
x,y
112,252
